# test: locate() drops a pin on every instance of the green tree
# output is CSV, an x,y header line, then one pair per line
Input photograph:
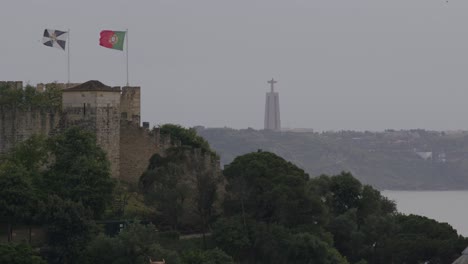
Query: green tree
x,y
346,192
69,229
19,254
419,239
361,220
307,248
135,244
233,236
104,249
371,202
18,201
187,137
163,186
212,256
268,188
31,154
347,236
184,184
81,171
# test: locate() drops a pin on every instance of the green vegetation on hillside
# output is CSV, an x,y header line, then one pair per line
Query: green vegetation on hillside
x,y
19,254
187,137
274,213
183,185
410,159
263,210
62,184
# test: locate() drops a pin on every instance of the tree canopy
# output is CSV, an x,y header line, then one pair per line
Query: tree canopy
x,y
275,213
80,172
187,137
19,254
62,183
184,184
264,209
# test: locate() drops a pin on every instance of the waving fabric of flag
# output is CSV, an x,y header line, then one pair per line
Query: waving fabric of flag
x,y
112,39
55,38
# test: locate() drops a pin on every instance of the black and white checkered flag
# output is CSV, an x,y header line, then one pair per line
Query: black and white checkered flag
x,y
55,38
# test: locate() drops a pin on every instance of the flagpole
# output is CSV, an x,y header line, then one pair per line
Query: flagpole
x,y
68,59
126,46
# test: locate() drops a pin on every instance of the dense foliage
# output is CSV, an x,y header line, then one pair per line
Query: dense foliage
x,y
184,184
30,97
187,137
80,172
273,213
135,244
264,210
19,254
61,183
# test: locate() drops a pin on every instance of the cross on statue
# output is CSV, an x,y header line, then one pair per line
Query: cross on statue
x,y
272,84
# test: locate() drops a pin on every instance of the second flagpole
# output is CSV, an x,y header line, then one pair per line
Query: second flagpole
x,y
126,47
68,59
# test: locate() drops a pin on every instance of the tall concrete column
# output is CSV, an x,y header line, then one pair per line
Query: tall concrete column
x,y
272,109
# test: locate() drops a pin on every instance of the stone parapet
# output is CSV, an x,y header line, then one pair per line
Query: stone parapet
x,y
137,146
130,104
17,125
12,84
111,113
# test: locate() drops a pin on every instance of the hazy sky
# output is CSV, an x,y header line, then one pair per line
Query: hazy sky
x,y
341,64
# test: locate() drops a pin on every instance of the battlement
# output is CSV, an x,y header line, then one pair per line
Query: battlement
x,y
130,104
111,113
42,87
12,84
91,105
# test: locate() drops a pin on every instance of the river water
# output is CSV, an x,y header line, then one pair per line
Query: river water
x,y
443,206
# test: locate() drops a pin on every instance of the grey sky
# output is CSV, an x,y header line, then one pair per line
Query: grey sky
x,y
341,64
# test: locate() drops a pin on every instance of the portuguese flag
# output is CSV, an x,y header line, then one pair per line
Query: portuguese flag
x,y
112,39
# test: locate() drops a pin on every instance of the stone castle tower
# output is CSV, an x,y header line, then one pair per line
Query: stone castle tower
x,y
96,108
111,113
272,109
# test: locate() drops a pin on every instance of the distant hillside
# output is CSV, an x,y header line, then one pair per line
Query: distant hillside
x,y
413,159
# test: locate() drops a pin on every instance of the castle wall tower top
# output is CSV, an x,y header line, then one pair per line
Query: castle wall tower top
x,y
12,84
130,104
96,108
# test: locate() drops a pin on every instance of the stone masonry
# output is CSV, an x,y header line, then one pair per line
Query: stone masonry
x,y
96,107
93,106
17,124
111,113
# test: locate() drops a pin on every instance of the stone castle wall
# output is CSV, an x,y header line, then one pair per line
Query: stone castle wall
x,y
12,84
112,115
98,112
17,125
137,146
130,104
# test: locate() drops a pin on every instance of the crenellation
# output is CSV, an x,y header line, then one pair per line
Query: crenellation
x,y
111,113
130,101
137,146
18,85
96,108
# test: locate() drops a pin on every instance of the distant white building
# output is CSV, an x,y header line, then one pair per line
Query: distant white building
x,y
272,109
425,155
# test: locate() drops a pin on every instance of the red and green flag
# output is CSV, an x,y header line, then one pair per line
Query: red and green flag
x,y
112,39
